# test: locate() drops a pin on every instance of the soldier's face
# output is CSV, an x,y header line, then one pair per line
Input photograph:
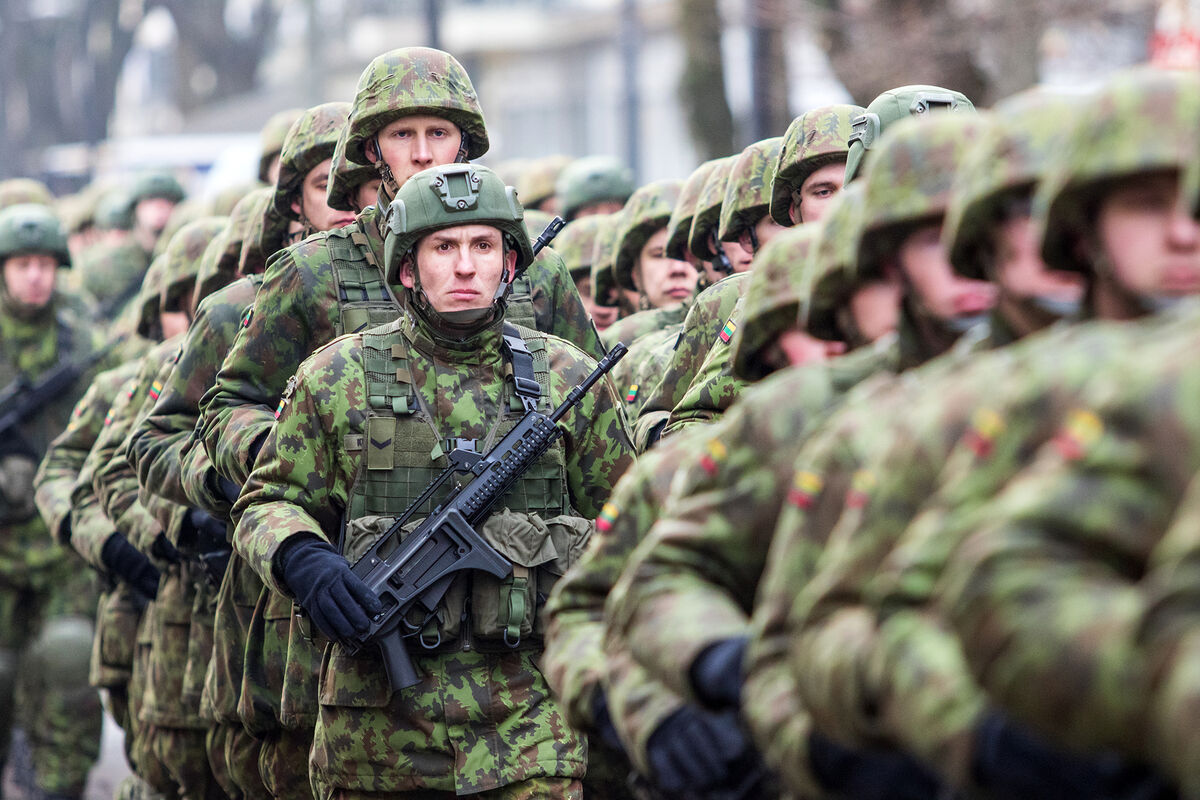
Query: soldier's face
x,y
29,278
938,289
814,195
313,204
875,308
461,267
765,230
1149,237
367,194
411,144
794,347
152,213
603,316
737,256
173,323
1020,270
664,280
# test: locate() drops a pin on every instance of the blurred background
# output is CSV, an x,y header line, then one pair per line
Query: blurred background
x,y
95,88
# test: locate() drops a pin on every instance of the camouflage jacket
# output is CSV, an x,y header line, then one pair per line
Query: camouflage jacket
x,y
297,310
648,356
629,329
714,388
708,321
302,483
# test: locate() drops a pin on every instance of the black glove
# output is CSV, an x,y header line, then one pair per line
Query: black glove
x,y
869,775
602,723
334,598
127,563
694,750
1011,761
228,489
163,550
202,533
716,674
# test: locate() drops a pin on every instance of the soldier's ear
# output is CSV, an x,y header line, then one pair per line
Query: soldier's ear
x,y
407,265
297,209
371,149
510,265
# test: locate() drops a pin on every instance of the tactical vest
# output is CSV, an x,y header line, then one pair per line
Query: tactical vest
x,y
403,452
366,301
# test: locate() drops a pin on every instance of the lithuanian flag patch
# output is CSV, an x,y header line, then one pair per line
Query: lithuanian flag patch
x,y
608,515
727,331
155,390
805,488
631,392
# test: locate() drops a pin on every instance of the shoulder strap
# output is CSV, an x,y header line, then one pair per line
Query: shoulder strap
x,y
516,352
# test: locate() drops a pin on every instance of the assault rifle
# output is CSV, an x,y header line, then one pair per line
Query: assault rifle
x,y
416,570
23,398
544,238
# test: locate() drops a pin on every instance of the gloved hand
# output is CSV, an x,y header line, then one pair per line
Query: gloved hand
x,y
164,551
202,533
717,674
1011,761
334,598
869,775
694,750
602,724
228,489
128,564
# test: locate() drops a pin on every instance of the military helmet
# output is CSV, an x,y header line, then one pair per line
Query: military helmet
x,y
156,184
345,176
1014,153
446,197
411,81
224,201
595,179
773,296
242,220
114,212
271,139
32,228
909,179
604,257
707,215
834,263
183,254
209,278
576,242
680,225
149,297
1143,120
748,190
647,210
183,213
538,180
815,139
891,107
22,191
309,142
265,233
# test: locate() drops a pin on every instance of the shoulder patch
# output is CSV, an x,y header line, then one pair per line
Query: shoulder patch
x,y
608,516
155,390
631,393
714,453
1077,435
805,488
860,488
247,315
980,437
727,332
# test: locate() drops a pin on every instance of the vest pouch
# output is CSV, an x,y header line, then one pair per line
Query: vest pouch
x,y
570,535
505,609
16,489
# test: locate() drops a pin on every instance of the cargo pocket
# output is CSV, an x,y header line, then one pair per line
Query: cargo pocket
x,y
357,681
168,656
200,645
505,608
570,535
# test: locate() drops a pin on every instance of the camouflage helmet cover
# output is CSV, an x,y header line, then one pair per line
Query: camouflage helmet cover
x,y
647,210
208,277
345,176
539,179
271,138
183,213
893,106
156,184
410,81
446,197
310,141
1143,120
604,257
834,263
1014,153
748,190
245,216
114,212
183,254
222,204
267,233
32,228
679,227
815,139
773,296
150,296
908,180
594,179
577,241
22,191
707,214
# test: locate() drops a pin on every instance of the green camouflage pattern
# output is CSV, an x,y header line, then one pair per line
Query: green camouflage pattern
x,y
706,214
297,488
183,259
593,179
1024,142
703,329
266,235
538,180
630,329
891,107
782,275
909,179
32,228
155,184
648,209
577,241
149,299
604,258
647,358
222,204
23,191
310,140
208,277
748,190
815,139
246,218
410,81
272,136
836,256
1142,120
345,177
679,226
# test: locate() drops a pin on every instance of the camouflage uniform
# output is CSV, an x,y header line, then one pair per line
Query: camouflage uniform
x,y
890,107
815,139
748,190
447,740
46,601
706,216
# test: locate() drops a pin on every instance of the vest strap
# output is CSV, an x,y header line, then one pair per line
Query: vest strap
x,y
528,390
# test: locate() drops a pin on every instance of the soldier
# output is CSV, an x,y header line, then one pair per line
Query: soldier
x,y
593,185
576,243
352,187
305,167
46,627
151,200
271,138
744,218
538,181
452,262
679,226
724,258
891,107
812,163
